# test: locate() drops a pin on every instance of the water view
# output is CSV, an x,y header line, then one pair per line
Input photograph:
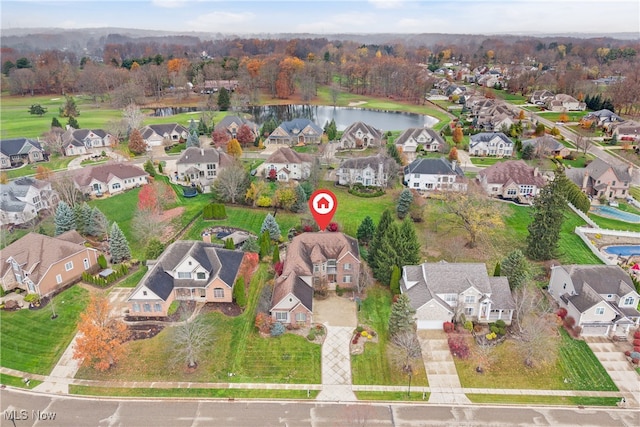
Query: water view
x,y
343,116
610,212
623,250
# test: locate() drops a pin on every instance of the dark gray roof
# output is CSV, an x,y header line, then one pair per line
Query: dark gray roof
x,y
598,167
439,166
230,264
295,126
11,147
414,133
546,142
161,129
486,137
159,282
76,136
605,113
239,121
603,279
303,292
353,128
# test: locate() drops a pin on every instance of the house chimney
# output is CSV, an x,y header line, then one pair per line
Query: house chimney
x,y
536,171
453,165
585,180
206,237
202,151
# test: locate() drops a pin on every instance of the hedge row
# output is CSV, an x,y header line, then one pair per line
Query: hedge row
x,y
118,272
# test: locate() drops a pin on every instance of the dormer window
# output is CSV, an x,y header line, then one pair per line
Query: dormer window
x,y
184,275
200,275
629,301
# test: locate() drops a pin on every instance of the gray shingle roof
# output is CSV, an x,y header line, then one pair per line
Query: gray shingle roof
x,y
598,167
486,137
162,129
295,126
14,146
371,161
199,155
414,133
439,166
104,173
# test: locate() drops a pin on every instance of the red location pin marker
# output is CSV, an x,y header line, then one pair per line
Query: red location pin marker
x,y
323,204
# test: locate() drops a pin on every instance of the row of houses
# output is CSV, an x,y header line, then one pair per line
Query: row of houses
x,y
601,298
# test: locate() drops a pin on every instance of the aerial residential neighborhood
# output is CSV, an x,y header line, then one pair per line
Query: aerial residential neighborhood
x,y
375,221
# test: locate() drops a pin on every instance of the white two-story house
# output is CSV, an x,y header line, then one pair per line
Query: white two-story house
x,y
435,175
22,199
371,171
490,144
287,164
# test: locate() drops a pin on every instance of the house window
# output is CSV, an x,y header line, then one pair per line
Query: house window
x,y
202,292
346,279
59,279
85,262
144,293
136,307
147,308
468,311
282,316
416,176
218,293
347,266
599,311
301,317
629,301
200,275
157,307
68,266
316,268
184,275
469,299
416,184
450,297
116,186
613,183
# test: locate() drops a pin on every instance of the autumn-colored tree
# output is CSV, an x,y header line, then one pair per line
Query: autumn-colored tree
x,y
4,178
264,322
43,173
136,143
101,335
245,136
457,135
521,115
453,154
248,266
234,149
255,190
564,117
148,199
177,64
288,67
220,138
285,197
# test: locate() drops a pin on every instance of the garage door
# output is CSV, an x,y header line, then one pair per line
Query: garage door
x,y
430,324
594,330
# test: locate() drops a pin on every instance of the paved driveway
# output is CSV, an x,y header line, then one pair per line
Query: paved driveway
x,y
335,311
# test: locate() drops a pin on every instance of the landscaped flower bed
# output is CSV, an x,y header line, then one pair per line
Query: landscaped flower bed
x,y
362,335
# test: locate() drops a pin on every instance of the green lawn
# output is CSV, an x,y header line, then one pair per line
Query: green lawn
x,y
32,341
132,280
375,366
574,116
614,224
487,161
579,162
238,348
543,400
12,381
193,392
576,363
393,396
510,97
56,162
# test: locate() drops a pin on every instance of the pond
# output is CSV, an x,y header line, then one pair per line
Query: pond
x,y
343,116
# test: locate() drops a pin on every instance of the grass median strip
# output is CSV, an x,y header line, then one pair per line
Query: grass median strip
x,y
225,393
12,381
543,400
399,396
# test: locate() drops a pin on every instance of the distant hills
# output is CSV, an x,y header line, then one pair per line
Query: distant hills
x,y
93,39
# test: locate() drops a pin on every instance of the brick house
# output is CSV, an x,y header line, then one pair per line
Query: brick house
x,y
600,179
313,259
41,264
109,178
513,179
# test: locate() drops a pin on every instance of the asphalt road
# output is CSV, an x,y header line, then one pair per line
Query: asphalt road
x,y
80,412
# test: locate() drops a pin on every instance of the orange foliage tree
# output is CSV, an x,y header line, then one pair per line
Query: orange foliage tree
x,y
43,172
136,143
177,64
564,117
453,154
288,67
457,135
248,266
101,335
148,199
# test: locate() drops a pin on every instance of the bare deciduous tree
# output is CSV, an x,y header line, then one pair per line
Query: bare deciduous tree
x,y
583,143
405,350
133,116
53,140
64,185
365,278
232,182
145,226
191,339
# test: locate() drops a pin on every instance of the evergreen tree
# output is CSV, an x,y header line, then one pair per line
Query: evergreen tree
x,y
251,245
528,152
268,127
55,123
70,109
239,294
64,218
271,226
383,225
300,204
98,223
193,127
393,152
118,245
154,249
149,168
228,244
203,129
331,130
366,230
72,122
395,280
387,255
516,267
193,140
401,318
224,99
404,203
265,244
276,255
408,246
544,229
496,270
83,217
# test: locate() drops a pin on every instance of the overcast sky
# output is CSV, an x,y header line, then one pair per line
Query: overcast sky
x,y
320,16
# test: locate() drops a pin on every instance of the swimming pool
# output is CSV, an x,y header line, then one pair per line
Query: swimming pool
x,y
609,212
622,250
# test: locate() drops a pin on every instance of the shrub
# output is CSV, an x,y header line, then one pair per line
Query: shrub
x,y
448,327
339,291
319,330
636,349
636,335
627,353
458,347
173,307
264,202
278,267
635,342
264,322
569,322
359,329
277,329
34,298
333,226
562,313
468,325
102,261
219,211
311,335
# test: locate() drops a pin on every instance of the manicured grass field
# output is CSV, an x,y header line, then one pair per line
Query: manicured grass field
x,y
32,341
392,396
487,161
614,224
543,400
574,116
237,349
375,366
576,363
132,280
225,393
56,162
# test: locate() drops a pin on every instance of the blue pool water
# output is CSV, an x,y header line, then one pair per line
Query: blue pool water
x,y
623,250
609,212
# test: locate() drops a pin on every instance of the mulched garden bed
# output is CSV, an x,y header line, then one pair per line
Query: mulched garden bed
x,y
358,339
228,309
142,331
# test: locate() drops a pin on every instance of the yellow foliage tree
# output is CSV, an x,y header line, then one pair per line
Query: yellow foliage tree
x,y
101,335
285,197
521,115
234,149
43,172
564,118
4,178
255,190
474,212
458,135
